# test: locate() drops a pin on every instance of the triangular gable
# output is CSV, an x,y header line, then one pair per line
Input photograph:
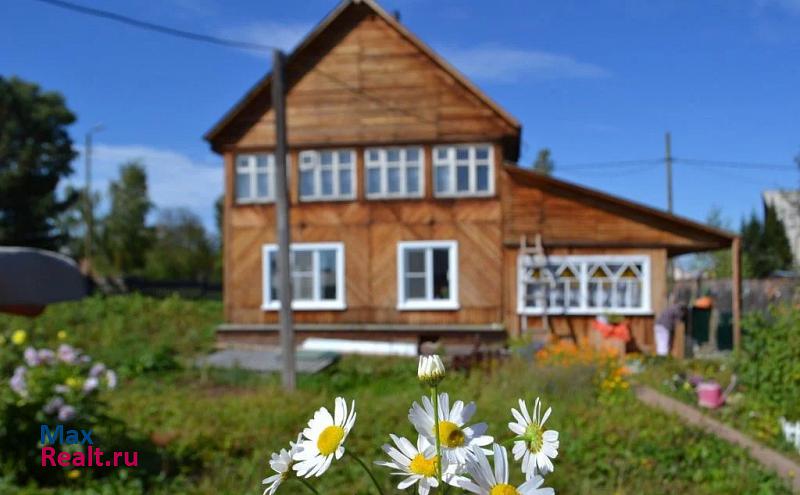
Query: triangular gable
x,y
340,63
569,215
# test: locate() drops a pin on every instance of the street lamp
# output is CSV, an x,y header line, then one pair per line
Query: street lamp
x,y
87,156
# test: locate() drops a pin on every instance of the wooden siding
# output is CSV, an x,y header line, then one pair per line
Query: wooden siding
x,y
365,82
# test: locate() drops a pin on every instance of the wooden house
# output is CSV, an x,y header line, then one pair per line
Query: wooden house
x,y
409,216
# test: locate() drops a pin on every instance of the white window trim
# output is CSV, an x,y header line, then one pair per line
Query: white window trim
x,y
252,170
383,165
318,176
428,304
584,309
338,304
451,164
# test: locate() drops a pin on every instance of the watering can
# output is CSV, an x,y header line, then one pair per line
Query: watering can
x,y
710,394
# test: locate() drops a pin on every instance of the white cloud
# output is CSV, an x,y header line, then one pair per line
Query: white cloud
x,y
173,179
502,64
285,35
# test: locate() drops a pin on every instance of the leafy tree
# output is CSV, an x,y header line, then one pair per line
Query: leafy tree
x,y
35,154
765,245
182,249
72,223
126,238
544,163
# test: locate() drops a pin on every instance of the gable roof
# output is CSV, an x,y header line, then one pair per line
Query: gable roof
x,y
262,87
709,238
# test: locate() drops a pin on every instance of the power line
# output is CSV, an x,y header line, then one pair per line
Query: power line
x,y
736,165
612,164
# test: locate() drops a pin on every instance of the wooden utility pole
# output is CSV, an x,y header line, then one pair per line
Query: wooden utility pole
x,y
736,292
282,223
668,162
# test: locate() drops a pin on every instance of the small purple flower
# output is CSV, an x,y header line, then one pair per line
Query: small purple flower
x,y
90,385
31,357
46,356
53,405
67,353
111,379
66,413
97,370
61,389
18,383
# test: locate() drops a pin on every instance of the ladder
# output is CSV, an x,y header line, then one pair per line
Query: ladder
x,y
536,251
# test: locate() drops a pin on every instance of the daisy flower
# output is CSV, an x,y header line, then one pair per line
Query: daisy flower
x,y
487,481
324,439
534,445
418,464
281,462
455,437
431,370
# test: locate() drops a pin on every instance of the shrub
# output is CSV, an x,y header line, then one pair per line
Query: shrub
x,y
769,361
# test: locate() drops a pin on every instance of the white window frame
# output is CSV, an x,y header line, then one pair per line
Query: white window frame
x,y
253,171
428,304
450,163
268,304
316,167
582,262
382,164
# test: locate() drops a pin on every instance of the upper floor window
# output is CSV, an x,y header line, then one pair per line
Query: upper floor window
x,y
327,175
463,170
584,284
394,172
255,178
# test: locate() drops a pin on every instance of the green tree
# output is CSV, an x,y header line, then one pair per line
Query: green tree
x,y
765,245
125,237
544,163
182,249
71,224
35,154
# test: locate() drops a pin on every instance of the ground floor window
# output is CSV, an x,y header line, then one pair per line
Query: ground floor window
x,y
427,275
584,284
317,276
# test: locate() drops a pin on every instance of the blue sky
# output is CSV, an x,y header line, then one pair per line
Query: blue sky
x,y
595,81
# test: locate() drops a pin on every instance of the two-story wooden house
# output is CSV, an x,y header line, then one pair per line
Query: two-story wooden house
x,y
408,211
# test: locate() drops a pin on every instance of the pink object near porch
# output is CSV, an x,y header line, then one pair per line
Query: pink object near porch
x,y
709,394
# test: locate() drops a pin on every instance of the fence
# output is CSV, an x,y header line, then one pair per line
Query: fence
x,y
757,294
187,289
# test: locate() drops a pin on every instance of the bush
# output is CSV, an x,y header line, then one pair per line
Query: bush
x,y
769,361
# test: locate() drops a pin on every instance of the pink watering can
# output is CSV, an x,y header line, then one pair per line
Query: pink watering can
x,y
711,395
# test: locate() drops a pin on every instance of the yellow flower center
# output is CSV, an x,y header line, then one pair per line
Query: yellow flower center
x,y
423,466
329,439
503,489
534,437
450,435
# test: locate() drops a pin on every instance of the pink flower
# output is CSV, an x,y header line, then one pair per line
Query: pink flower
x,y
67,353
31,357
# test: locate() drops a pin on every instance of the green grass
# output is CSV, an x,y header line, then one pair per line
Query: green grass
x,y
222,425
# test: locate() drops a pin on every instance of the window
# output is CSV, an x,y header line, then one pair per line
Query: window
x,y
427,275
327,175
466,170
255,178
317,276
584,284
394,172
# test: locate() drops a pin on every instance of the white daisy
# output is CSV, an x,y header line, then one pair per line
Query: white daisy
x,y
535,446
431,370
455,437
324,439
281,462
418,464
495,482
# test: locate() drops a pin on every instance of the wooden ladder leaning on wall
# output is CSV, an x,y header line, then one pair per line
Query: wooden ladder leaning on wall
x,y
544,333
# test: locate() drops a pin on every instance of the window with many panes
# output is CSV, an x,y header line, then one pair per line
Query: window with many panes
x,y
394,172
317,276
463,170
255,178
327,175
427,275
584,284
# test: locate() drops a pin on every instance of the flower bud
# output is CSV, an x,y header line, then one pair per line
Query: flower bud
x,y
431,370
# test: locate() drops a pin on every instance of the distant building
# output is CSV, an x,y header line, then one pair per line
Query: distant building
x,y
787,207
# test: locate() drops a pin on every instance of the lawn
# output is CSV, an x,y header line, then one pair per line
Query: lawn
x,y
211,432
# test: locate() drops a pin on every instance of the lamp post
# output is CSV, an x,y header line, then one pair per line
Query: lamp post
x,y
87,193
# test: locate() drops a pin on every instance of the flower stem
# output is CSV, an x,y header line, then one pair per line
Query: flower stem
x,y
308,485
435,400
371,476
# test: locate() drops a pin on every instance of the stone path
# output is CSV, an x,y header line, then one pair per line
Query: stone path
x,y
772,459
266,360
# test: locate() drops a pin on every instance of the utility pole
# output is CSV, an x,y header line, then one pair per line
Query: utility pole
x,y
668,161
87,193
282,223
